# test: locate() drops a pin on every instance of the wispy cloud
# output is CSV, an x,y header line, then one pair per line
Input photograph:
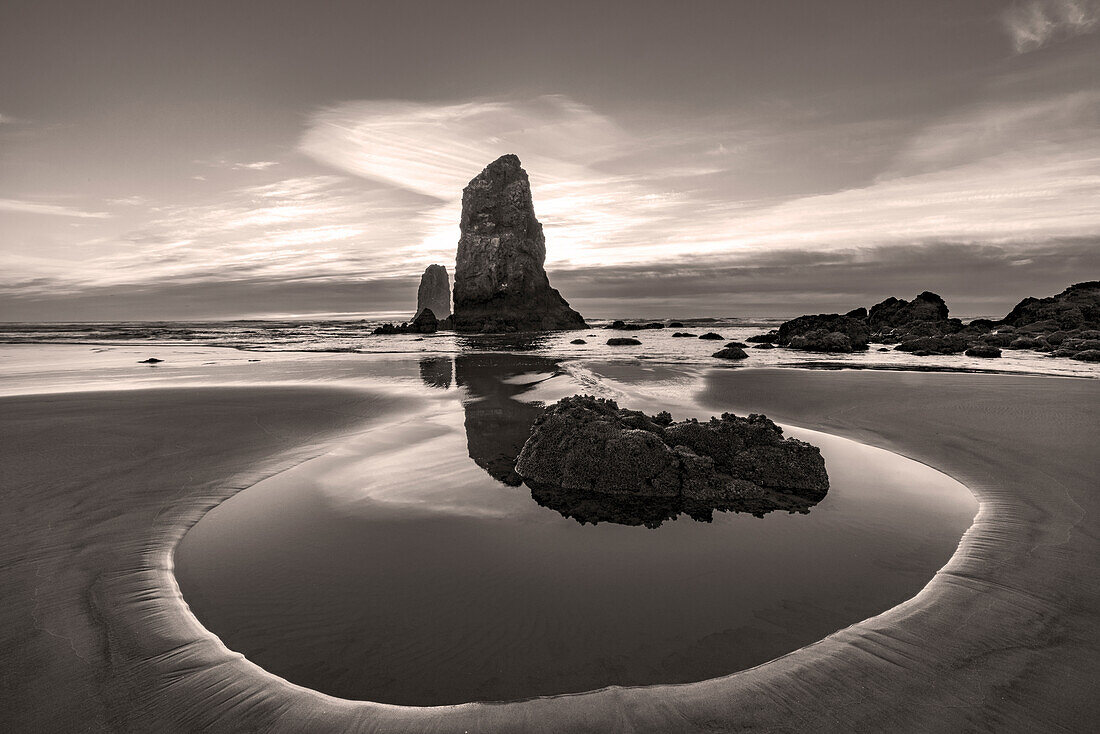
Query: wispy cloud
x,y
1033,24
7,119
255,166
1014,166
34,207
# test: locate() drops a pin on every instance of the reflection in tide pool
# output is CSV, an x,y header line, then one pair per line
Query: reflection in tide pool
x,y
408,566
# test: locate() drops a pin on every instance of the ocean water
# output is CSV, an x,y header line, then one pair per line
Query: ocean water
x,y
657,345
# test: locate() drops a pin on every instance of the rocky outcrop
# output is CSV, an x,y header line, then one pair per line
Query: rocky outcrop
x,y
826,332
1077,307
434,292
424,323
590,446
621,325
500,283
895,312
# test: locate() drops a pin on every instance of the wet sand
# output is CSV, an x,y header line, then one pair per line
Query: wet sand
x,y
99,487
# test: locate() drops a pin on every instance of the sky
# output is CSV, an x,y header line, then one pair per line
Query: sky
x,y
166,160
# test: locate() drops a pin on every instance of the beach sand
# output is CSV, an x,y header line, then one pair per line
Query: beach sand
x,y
99,487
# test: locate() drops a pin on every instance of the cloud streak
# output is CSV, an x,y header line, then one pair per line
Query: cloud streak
x,y
17,206
1036,23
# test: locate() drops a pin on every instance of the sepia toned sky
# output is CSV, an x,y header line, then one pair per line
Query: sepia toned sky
x,y
163,160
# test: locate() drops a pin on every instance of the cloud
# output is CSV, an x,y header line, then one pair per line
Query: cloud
x,y
712,198
255,166
1035,23
32,207
7,119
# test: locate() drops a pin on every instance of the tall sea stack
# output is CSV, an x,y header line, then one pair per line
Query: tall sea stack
x,y
500,283
434,292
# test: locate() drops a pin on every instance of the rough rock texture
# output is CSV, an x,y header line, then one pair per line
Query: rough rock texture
x,y
984,351
587,444
894,312
424,323
768,338
927,345
731,351
622,341
621,325
1077,307
434,292
500,283
1088,355
826,332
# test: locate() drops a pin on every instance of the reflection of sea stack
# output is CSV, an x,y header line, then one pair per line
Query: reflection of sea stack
x,y
434,292
500,283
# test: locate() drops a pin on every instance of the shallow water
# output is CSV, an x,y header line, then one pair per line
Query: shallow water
x,y
333,336
408,566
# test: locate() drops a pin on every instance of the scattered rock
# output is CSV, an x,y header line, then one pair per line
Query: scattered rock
x,y
500,283
675,325
1089,355
731,351
622,341
764,345
984,351
737,344
621,325
578,341
680,334
151,360
711,335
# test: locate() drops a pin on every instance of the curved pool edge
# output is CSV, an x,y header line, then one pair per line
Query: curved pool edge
x,y
988,643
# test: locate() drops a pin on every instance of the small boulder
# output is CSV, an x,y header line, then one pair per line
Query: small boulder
x,y
768,338
1026,342
1089,355
681,334
984,351
151,360
731,351
578,341
622,341
712,336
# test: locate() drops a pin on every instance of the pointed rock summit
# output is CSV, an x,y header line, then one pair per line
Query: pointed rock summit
x,y
434,293
500,283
